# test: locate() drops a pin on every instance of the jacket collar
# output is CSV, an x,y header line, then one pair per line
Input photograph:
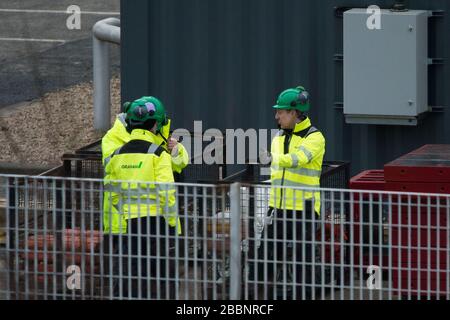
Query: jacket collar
x,y
141,134
302,125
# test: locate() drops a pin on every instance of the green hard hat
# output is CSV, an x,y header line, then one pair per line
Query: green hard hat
x,y
293,99
147,108
125,106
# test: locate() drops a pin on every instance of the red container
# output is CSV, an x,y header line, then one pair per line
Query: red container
x,y
368,180
416,214
430,163
427,187
425,170
418,225
402,284
410,238
404,257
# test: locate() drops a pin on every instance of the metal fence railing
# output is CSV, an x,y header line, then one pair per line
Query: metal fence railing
x,y
232,245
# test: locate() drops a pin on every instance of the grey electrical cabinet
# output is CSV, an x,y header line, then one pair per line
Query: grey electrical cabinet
x,y
385,66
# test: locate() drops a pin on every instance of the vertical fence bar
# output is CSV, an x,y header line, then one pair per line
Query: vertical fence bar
x,y
60,240
167,238
8,199
381,248
26,252
213,240
148,243
292,261
195,238
438,247
91,238
409,245
177,240
129,250
371,242
35,246
49,192
313,246
447,247
304,221
274,238
203,238
361,243
102,240
111,252
48,263
223,244
265,254
323,263
389,248
332,248
399,247
352,244
283,237
83,234
342,223
428,237
73,226
235,241
186,241
16,238
419,251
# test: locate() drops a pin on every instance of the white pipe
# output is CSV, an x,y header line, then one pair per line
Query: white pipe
x,y
104,32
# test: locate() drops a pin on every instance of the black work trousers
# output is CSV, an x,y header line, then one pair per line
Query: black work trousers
x,y
286,252
141,257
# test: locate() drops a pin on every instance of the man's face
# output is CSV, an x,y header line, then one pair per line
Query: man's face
x,y
286,118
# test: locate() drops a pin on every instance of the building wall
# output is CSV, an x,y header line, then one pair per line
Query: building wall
x,y
225,61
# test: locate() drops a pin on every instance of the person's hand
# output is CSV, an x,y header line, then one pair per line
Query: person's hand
x,y
172,145
265,156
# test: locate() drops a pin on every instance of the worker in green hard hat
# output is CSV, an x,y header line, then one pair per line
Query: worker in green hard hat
x,y
140,202
296,157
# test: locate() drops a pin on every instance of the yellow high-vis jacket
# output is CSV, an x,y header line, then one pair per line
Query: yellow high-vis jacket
x,y
118,136
297,158
147,189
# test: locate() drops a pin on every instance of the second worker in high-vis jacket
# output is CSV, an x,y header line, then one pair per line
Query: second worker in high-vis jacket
x,y
296,157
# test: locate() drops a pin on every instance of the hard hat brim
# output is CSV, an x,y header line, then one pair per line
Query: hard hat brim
x,y
303,108
277,106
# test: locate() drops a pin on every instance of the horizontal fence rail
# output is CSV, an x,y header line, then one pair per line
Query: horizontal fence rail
x,y
232,243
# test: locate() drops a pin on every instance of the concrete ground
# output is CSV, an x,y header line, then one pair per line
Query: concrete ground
x,y
40,54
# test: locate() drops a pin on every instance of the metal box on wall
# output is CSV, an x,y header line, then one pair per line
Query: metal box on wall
x,y
385,67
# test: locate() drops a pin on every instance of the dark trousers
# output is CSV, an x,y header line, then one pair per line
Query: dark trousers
x,y
142,258
286,246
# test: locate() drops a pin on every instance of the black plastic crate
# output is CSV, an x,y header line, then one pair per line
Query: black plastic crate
x,y
335,174
83,166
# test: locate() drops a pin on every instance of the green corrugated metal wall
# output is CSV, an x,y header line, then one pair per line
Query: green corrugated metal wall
x,y
225,61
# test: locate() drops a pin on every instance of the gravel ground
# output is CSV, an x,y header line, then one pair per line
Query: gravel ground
x,y
38,133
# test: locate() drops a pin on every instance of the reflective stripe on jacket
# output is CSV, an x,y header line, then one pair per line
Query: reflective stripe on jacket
x,y
140,162
296,162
